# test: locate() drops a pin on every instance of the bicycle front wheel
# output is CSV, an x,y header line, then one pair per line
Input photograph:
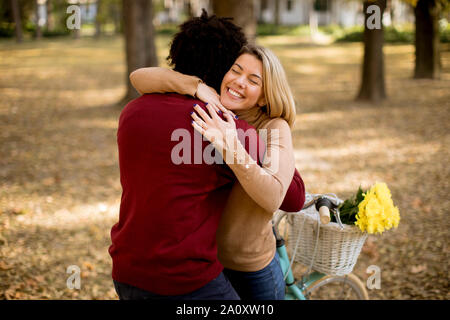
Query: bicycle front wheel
x,y
348,287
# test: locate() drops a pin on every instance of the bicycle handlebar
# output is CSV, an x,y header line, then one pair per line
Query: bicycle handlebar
x,y
323,206
323,202
324,213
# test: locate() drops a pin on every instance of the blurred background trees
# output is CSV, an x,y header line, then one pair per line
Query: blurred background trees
x,y
372,82
427,13
421,22
242,12
139,38
17,19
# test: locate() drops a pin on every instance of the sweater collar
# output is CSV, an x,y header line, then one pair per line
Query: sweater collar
x,y
254,116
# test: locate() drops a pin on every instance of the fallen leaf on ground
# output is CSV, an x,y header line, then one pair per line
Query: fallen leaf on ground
x,y
416,203
419,268
4,266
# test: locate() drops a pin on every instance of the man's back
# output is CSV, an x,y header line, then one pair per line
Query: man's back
x,y
171,203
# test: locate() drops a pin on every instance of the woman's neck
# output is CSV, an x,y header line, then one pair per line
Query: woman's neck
x,y
254,116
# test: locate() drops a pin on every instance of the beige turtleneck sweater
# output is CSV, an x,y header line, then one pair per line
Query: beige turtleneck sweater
x,y
245,238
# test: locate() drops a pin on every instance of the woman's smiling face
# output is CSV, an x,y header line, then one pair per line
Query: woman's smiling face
x,y
242,85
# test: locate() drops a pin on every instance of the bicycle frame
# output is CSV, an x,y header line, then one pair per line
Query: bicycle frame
x,y
295,290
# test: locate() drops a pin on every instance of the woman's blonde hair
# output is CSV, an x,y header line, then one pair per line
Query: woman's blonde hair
x,y
279,99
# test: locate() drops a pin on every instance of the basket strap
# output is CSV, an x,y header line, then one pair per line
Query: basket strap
x,y
296,247
315,246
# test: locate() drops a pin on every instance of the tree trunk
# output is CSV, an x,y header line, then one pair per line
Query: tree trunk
x,y
38,18
77,33
277,12
189,9
373,86
17,20
50,22
98,22
139,39
242,12
427,40
114,12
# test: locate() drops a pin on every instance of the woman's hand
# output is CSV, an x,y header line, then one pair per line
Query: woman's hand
x,y
210,96
222,134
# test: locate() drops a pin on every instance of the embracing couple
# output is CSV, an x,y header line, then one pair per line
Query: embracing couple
x,y
196,229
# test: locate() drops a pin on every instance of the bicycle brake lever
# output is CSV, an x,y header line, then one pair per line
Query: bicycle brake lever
x,y
338,218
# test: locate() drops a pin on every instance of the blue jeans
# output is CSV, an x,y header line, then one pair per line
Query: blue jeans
x,y
265,284
217,289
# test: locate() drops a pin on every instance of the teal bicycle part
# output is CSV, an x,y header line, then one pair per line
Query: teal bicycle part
x,y
316,285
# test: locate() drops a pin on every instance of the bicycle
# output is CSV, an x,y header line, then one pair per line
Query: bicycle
x,y
312,283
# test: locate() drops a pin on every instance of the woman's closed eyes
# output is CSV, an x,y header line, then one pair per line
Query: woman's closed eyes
x,y
255,82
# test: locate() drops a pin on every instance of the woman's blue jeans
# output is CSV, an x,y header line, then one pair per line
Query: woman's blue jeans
x,y
265,284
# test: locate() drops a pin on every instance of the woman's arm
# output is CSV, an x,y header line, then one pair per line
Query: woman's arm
x,y
162,80
266,185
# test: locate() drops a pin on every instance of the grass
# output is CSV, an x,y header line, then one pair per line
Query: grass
x,y
397,34
60,187
392,34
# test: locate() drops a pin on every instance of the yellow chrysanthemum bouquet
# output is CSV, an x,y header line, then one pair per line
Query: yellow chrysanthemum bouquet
x,y
372,211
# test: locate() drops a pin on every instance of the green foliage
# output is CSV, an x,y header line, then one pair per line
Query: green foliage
x,y
6,30
108,10
445,34
26,7
391,34
268,29
403,34
332,29
349,209
166,29
30,28
6,16
348,34
28,24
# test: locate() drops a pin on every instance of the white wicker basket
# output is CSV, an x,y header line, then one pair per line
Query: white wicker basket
x,y
337,249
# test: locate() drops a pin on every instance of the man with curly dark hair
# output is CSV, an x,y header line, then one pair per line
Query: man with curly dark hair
x,y
164,245
206,47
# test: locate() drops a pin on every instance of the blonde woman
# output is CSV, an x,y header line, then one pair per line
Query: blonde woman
x,y
256,90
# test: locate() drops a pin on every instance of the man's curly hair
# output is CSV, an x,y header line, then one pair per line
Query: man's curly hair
x,y
206,47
